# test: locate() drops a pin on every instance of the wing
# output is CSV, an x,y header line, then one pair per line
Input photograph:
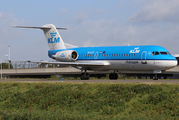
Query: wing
x,y
81,64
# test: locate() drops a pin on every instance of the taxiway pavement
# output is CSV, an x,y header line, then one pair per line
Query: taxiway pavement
x,y
91,81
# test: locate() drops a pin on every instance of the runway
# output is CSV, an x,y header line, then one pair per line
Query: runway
x,y
91,81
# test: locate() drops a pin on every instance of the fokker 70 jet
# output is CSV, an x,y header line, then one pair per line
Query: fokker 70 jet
x,y
141,58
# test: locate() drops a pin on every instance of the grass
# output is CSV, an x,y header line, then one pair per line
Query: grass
x,y
88,101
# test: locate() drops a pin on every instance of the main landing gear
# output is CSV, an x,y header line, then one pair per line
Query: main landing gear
x,y
155,77
84,76
113,76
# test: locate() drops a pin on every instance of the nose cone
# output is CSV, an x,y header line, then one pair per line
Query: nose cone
x,y
172,63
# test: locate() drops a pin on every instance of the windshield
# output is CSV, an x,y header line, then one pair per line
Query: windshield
x,y
160,53
163,53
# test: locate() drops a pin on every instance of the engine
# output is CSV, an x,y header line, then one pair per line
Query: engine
x,y
66,56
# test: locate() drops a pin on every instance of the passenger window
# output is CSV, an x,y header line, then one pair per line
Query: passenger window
x,y
114,54
129,54
134,54
104,55
119,54
124,54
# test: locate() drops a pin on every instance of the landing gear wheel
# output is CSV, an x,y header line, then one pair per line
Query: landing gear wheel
x,y
113,76
84,76
155,77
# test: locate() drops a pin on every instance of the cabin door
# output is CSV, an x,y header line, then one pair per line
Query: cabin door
x,y
96,55
143,57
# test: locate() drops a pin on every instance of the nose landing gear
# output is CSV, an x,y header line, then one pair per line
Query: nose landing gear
x,y
155,77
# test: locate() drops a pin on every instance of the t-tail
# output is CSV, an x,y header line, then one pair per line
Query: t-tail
x,y
53,38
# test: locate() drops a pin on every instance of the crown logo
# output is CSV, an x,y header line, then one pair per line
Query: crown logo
x,y
53,34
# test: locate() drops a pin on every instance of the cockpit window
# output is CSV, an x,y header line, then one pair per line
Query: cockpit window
x,y
152,53
163,53
160,52
157,53
168,53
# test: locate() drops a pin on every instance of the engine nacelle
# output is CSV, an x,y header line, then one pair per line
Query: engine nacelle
x,y
66,56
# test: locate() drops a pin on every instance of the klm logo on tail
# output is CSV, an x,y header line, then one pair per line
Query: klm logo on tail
x,y
53,38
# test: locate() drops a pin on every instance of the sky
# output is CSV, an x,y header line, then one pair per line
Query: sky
x,y
88,23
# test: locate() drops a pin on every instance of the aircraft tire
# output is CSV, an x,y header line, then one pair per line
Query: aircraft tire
x,y
113,76
155,78
84,76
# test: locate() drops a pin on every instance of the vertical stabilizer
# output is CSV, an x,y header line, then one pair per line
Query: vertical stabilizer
x,y
53,38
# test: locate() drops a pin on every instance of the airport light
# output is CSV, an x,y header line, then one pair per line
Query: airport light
x,y
1,63
9,57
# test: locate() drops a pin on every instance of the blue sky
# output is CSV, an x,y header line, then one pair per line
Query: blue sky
x,y
89,23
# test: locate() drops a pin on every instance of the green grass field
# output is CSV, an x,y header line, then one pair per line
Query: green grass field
x,y
88,101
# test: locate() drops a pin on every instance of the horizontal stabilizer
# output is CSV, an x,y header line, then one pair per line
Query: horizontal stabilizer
x,y
52,36
38,27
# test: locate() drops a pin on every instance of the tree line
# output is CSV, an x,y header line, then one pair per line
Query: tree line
x,y
6,66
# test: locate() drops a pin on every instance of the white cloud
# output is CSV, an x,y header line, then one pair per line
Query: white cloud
x,y
97,33
80,18
6,21
159,10
7,35
25,44
77,17
112,33
62,12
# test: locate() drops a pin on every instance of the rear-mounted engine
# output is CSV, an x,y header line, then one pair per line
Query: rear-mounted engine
x,y
66,56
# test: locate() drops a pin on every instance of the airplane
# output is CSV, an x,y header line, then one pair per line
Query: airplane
x,y
142,58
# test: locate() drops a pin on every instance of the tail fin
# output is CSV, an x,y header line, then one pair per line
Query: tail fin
x,y
53,38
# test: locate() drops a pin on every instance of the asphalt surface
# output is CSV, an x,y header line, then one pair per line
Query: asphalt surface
x,y
91,81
